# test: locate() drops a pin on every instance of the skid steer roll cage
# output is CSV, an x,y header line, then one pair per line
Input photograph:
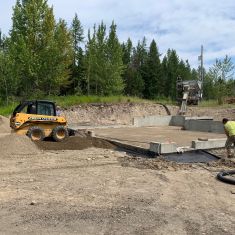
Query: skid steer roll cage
x,y
32,107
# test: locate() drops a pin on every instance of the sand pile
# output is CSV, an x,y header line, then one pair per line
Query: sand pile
x,y
12,144
4,125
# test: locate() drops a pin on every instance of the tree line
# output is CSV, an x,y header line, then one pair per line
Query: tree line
x,y
43,57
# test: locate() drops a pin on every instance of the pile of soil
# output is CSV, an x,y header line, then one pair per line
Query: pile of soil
x,y
108,114
217,113
75,143
12,144
4,125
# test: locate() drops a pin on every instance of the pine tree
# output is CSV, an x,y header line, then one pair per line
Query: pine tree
x,y
90,60
194,74
103,62
166,91
100,66
153,77
78,56
209,87
184,70
135,82
127,52
172,74
114,83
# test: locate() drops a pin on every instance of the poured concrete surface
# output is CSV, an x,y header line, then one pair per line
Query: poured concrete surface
x,y
142,136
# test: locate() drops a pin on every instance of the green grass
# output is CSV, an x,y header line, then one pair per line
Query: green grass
x,y
214,103
7,110
68,101
166,101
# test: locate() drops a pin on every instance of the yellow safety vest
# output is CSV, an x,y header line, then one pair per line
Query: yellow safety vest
x,y
230,128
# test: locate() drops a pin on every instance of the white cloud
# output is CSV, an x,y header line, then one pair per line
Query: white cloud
x,y
179,24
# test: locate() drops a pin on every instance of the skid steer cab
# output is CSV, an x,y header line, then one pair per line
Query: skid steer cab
x,y
37,119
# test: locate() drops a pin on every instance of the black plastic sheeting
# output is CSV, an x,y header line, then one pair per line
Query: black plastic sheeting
x,y
197,156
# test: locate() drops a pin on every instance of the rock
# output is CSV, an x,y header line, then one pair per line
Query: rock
x,y
32,203
36,187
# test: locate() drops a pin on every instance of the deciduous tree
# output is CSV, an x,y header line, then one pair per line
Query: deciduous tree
x,y
40,49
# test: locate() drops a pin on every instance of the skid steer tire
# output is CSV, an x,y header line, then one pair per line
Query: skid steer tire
x,y
60,133
222,176
36,133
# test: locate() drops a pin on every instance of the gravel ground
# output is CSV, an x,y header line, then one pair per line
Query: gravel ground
x,y
102,191
88,187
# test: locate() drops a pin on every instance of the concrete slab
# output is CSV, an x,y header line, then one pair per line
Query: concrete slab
x,y
161,148
152,121
199,118
81,126
177,120
209,144
143,136
204,125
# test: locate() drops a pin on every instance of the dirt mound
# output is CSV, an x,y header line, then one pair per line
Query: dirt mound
x,y
12,144
123,113
75,143
4,125
108,114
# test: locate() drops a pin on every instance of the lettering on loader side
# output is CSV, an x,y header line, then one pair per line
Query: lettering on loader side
x,y
42,119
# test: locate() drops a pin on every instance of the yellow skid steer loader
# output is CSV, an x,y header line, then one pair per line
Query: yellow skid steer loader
x,y
38,119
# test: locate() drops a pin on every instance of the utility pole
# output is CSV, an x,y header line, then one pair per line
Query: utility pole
x,y
202,70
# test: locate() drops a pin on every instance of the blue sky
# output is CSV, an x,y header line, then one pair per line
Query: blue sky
x,y
183,25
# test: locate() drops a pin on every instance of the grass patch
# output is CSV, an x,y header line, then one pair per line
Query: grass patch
x,y
166,101
7,110
214,103
68,101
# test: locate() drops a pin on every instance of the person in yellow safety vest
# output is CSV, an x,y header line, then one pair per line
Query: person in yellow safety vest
x,y
229,128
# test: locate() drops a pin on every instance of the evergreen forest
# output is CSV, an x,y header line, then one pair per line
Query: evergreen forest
x,y
41,57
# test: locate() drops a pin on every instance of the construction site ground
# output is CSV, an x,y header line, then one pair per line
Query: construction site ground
x,y
142,136
93,188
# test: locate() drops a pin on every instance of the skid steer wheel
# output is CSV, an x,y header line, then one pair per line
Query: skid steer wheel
x,y
36,133
60,133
